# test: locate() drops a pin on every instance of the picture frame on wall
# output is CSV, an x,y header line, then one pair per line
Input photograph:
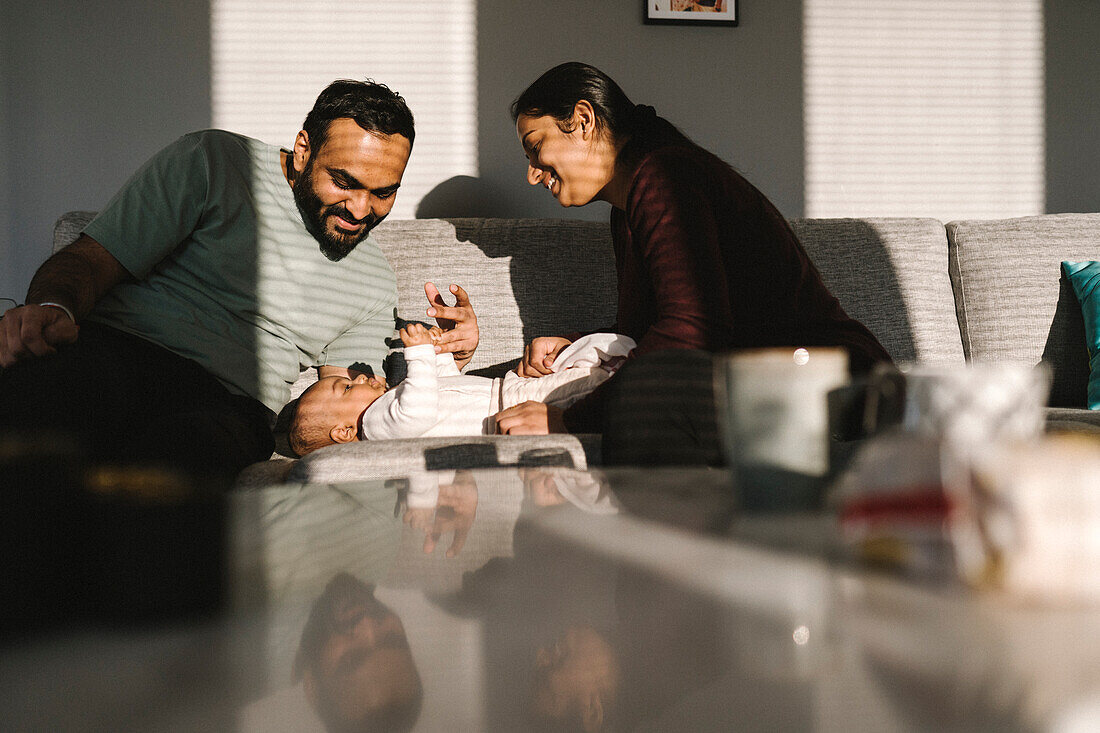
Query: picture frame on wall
x,y
691,12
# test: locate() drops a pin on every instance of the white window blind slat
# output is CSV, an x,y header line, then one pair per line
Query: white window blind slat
x,y
924,109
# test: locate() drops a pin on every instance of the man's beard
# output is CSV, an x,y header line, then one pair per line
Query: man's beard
x,y
335,246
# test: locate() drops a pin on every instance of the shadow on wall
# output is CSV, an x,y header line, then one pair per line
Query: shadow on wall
x,y
1071,90
471,196
464,196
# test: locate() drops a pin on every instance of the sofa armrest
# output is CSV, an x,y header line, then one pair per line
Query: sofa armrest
x,y
264,473
69,226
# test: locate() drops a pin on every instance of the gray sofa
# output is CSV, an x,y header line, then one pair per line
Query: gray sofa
x,y
971,290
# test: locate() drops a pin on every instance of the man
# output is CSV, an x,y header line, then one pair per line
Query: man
x,y
354,660
171,330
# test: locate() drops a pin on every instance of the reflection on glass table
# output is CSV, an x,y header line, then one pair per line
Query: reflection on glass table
x,y
555,599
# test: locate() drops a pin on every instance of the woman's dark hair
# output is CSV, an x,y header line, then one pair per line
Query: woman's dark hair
x,y
373,106
557,92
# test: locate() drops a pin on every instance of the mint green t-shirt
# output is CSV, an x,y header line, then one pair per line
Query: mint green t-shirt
x,y
227,275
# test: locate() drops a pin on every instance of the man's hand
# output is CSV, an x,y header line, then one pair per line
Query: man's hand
x,y
459,323
34,330
415,334
539,355
77,276
530,418
455,511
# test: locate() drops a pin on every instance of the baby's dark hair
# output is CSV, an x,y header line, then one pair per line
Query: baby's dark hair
x,y
308,428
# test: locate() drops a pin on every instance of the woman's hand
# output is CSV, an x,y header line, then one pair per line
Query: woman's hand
x,y
530,418
541,485
459,323
539,355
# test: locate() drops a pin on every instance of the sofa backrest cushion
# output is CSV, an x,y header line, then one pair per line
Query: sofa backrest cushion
x,y
891,275
536,277
1013,302
69,226
525,277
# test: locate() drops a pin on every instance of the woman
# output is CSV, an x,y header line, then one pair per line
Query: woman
x,y
705,262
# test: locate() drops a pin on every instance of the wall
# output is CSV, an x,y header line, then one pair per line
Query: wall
x,y
1072,105
8,274
736,91
87,97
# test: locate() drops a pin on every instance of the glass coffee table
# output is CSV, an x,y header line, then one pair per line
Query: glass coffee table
x,y
544,599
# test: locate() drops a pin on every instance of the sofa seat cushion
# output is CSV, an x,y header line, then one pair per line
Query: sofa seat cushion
x,y
891,275
1012,301
1075,420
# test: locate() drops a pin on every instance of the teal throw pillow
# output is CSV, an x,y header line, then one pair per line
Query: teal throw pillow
x,y
1085,279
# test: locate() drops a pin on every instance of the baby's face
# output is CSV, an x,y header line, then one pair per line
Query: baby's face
x,y
343,399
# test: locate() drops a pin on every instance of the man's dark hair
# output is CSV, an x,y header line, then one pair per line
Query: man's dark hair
x,y
374,107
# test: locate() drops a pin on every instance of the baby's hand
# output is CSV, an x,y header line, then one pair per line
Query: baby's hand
x,y
419,517
435,332
415,334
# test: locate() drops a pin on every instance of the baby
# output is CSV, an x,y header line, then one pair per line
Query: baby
x,y
436,400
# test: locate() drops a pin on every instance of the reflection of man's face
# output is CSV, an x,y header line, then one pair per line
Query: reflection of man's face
x,y
344,189
355,660
576,678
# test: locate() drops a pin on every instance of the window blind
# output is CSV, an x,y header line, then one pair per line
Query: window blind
x,y
924,109
270,59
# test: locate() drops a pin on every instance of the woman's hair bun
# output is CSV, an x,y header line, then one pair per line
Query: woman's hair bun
x,y
642,115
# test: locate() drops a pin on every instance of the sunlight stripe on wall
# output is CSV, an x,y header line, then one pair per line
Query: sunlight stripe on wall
x,y
272,57
924,109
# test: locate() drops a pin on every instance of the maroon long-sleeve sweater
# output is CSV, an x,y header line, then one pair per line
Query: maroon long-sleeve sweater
x,y
705,261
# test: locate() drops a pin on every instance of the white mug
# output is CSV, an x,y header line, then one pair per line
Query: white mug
x,y
773,409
